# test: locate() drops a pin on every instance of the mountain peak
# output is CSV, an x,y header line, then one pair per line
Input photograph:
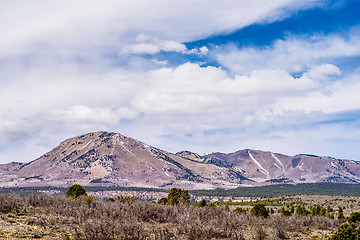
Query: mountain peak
x,y
108,158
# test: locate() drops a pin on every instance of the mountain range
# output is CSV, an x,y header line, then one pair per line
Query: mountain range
x,y
108,159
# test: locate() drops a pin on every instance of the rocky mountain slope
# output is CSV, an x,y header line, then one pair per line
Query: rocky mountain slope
x,y
273,167
105,158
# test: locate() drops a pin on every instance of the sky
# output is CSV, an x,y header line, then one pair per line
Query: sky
x,y
204,75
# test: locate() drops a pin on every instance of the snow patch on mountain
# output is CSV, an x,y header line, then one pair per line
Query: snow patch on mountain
x,y
259,165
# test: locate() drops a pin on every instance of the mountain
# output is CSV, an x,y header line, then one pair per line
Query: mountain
x,y
106,158
270,167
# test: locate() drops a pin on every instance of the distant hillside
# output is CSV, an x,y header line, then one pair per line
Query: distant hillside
x,y
329,189
113,159
276,168
105,158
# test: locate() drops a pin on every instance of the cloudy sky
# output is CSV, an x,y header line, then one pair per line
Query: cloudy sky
x,y
203,75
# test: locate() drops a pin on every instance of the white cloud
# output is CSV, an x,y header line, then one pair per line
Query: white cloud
x,y
322,72
84,115
154,47
12,131
191,89
203,50
147,45
337,97
185,99
75,26
62,76
294,54
318,139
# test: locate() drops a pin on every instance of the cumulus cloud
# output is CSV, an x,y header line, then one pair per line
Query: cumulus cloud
x,y
322,72
176,101
192,89
339,96
62,73
202,51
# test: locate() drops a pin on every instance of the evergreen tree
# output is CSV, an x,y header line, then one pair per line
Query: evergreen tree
x,y
301,211
163,201
202,203
346,231
75,190
341,213
178,196
259,210
354,217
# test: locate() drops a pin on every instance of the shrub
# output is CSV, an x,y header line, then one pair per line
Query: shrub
x,y
285,212
272,211
202,203
89,199
260,234
340,213
130,219
318,210
301,211
75,190
162,201
9,203
354,217
177,196
126,199
227,208
346,231
110,200
240,210
259,210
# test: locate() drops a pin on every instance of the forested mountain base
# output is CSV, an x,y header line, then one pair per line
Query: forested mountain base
x,y
59,217
329,189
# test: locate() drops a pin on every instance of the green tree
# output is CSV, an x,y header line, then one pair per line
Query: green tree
x,y
301,211
346,231
285,212
272,211
202,203
341,213
354,217
75,190
163,201
178,196
259,210
329,209
240,210
318,210
126,199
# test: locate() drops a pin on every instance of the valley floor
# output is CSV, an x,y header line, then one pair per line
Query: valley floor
x,y
57,217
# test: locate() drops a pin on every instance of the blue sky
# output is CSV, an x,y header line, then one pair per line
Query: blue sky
x,y
278,75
